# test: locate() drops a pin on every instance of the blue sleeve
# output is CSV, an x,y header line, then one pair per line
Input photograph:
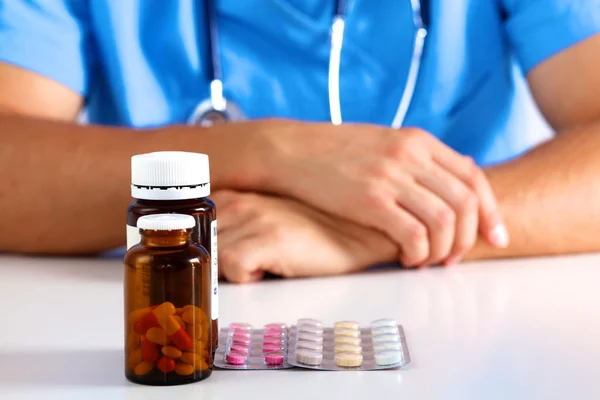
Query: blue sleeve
x,y
49,37
538,29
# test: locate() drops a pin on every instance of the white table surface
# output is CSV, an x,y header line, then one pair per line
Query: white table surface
x,y
520,329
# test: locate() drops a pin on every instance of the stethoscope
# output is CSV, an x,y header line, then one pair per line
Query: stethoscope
x,y
217,108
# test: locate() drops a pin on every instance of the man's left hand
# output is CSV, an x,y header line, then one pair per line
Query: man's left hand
x,y
261,233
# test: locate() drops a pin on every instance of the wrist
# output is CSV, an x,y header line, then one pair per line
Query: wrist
x,y
239,152
278,151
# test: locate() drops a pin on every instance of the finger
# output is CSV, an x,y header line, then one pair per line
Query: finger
x,y
227,206
235,227
462,200
229,240
239,224
492,225
234,209
223,197
232,236
240,262
435,214
408,231
234,264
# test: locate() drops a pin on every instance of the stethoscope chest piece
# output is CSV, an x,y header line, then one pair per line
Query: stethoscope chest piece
x,y
216,108
206,114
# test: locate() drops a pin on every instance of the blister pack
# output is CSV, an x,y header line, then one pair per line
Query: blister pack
x,y
243,347
347,346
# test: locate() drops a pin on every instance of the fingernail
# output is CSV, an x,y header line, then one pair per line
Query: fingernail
x,y
499,236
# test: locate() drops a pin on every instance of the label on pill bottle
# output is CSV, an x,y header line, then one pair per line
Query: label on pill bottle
x,y
133,236
214,308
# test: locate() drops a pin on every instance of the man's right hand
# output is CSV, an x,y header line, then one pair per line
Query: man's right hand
x,y
427,198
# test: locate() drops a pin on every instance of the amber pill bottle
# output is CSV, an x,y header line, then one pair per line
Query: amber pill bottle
x,y
177,182
167,288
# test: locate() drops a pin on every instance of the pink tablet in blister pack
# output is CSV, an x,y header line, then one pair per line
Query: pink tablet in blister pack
x,y
243,347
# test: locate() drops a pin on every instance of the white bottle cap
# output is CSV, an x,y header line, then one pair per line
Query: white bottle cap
x,y
170,175
166,222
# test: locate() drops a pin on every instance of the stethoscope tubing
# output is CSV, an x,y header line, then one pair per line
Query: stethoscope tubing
x,y
217,101
415,66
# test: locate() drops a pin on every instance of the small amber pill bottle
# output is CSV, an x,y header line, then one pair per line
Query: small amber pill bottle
x,y
177,182
167,287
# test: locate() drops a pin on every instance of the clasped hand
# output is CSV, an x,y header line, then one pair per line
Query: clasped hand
x,y
358,195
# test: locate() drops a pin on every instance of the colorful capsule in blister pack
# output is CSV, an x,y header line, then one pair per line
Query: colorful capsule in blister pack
x,y
242,347
347,346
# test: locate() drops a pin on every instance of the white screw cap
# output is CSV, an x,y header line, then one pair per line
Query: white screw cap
x,y
166,222
170,175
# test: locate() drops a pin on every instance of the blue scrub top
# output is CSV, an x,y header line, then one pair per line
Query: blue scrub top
x,y
142,63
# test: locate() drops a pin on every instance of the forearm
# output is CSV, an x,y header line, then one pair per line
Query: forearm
x,y
64,188
549,197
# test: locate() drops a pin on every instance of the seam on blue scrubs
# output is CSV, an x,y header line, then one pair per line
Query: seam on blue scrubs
x,y
47,37
537,30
